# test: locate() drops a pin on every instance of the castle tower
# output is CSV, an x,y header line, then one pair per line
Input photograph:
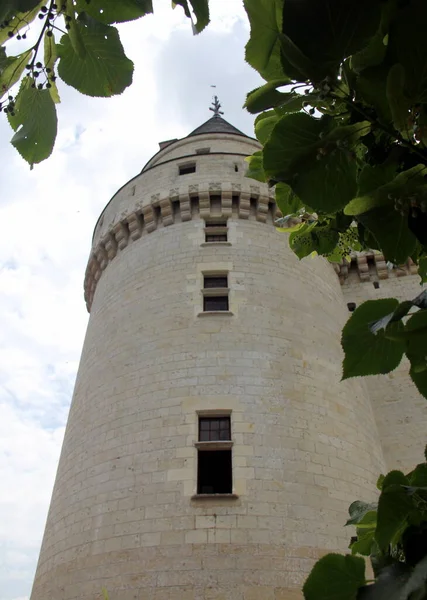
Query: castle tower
x,y
211,451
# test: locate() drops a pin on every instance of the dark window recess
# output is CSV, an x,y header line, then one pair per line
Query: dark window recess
x,y
236,168
214,472
215,281
203,150
186,169
214,429
216,237
215,303
216,224
376,285
351,306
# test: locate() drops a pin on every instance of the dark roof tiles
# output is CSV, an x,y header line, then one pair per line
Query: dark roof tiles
x,y
216,124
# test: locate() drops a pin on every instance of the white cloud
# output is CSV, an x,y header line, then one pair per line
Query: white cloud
x,y
47,218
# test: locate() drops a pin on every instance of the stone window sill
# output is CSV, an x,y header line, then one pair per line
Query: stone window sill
x,y
204,244
216,445
214,497
211,313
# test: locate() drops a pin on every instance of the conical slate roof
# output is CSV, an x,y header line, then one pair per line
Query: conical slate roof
x,y
217,124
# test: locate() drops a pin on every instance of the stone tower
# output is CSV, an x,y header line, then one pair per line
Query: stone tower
x,y
211,451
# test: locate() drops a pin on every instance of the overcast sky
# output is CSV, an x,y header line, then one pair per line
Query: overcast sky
x,y
47,217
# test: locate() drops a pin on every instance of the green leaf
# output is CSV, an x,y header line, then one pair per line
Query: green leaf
x,y
327,184
358,510
402,187
256,170
410,44
373,177
12,70
201,12
286,200
264,125
422,269
391,233
35,123
294,137
364,542
50,57
267,96
313,238
335,577
418,477
263,51
416,334
112,11
18,19
104,70
371,88
295,63
394,506
332,30
399,104
367,353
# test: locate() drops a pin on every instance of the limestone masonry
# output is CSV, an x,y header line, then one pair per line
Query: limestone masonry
x,y
211,450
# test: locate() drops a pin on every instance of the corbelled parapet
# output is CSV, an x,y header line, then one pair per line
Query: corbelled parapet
x,y
211,200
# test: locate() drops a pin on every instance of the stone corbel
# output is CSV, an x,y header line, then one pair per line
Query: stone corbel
x,y
149,218
110,245
166,211
262,209
135,226
226,201
381,266
101,255
121,234
244,205
204,204
185,207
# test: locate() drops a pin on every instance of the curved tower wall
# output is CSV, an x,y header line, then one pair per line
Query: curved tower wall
x,y
124,513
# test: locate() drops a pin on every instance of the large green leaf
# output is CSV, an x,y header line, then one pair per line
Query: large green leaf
x,y
12,69
408,39
404,186
364,542
200,9
264,124
287,200
104,70
367,353
399,104
263,51
419,374
267,96
335,577
112,11
390,230
294,137
327,184
394,506
422,269
9,8
35,123
371,89
327,32
256,170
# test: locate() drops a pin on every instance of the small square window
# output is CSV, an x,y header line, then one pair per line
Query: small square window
x,y
215,303
187,168
215,281
214,429
216,231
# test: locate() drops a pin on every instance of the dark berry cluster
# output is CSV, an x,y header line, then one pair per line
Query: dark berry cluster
x,y
8,106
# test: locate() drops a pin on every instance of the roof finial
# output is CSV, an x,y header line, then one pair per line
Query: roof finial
x,y
215,107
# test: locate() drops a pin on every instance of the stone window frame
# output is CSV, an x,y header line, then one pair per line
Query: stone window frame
x,y
202,446
215,292
216,227
187,168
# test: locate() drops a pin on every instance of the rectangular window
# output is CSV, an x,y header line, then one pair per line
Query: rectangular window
x,y
216,231
214,468
187,168
203,150
215,292
214,429
215,281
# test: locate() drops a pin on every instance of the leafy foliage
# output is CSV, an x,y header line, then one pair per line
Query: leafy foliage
x,y
88,57
345,141
393,533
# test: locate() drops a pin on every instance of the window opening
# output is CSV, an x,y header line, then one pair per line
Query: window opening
x,y
188,168
214,466
216,231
